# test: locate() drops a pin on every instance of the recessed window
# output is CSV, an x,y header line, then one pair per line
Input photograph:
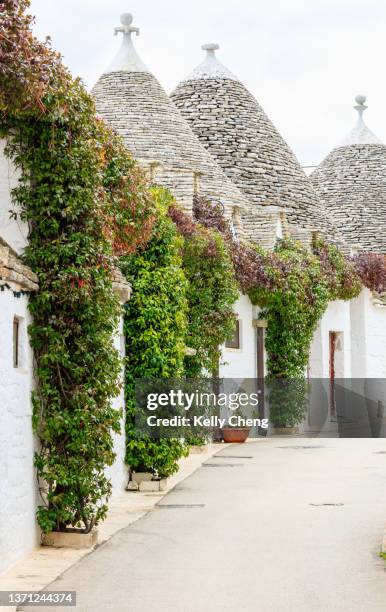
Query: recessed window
x,y
234,341
16,343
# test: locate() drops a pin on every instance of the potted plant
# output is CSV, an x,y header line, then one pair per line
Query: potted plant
x,y
288,400
234,432
197,444
152,462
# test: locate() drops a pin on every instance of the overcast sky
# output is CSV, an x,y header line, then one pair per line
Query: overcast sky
x,y
304,60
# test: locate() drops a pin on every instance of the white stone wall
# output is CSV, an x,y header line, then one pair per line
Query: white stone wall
x,y
19,496
14,232
118,473
358,336
361,357
369,337
364,339
241,363
336,319
18,490
368,323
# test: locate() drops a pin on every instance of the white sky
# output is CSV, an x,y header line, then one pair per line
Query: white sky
x,y
304,60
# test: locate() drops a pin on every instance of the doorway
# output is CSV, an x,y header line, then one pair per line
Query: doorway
x,y
260,370
336,366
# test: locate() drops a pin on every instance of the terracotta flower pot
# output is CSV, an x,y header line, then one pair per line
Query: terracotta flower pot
x,y
235,434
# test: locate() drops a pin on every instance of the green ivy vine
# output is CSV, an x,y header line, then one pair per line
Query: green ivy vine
x,y
211,293
85,202
300,285
155,330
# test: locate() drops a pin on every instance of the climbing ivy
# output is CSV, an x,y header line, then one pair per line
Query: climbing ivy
x,y
155,329
293,286
371,269
87,203
211,293
84,201
300,285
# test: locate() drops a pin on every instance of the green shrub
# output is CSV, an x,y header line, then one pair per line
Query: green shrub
x,y
81,195
155,329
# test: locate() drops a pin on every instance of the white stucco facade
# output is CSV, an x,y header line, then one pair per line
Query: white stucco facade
x,y
359,358
368,322
335,319
13,231
118,473
241,363
19,495
18,489
361,347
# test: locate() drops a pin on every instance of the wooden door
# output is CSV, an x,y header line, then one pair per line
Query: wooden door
x,y
333,337
260,370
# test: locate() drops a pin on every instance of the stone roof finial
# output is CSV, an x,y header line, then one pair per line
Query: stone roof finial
x,y
360,106
210,49
125,28
211,67
127,59
361,134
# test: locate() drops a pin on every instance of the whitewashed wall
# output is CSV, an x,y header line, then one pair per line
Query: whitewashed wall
x,y
118,473
241,363
14,232
18,490
19,496
368,323
336,319
364,338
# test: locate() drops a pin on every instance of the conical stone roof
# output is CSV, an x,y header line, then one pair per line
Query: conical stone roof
x,y
235,129
351,184
133,102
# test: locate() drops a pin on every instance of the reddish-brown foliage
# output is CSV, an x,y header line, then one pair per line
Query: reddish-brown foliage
x,y
371,268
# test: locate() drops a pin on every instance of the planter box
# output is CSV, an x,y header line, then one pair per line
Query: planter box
x,y
197,450
285,431
153,486
70,539
235,435
132,486
141,476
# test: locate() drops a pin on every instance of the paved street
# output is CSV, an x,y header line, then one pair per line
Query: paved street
x,y
280,528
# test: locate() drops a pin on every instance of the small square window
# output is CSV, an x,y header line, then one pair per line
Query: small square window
x,y
234,341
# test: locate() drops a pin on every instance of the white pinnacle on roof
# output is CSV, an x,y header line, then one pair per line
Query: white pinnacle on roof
x,y
351,184
132,101
211,67
361,134
236,131
127,59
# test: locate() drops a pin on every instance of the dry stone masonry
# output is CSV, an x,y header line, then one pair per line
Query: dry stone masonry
x,y
231,124
132,101
13,271
351,184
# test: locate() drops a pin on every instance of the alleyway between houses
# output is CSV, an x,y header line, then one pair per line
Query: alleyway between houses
x,y
276,525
